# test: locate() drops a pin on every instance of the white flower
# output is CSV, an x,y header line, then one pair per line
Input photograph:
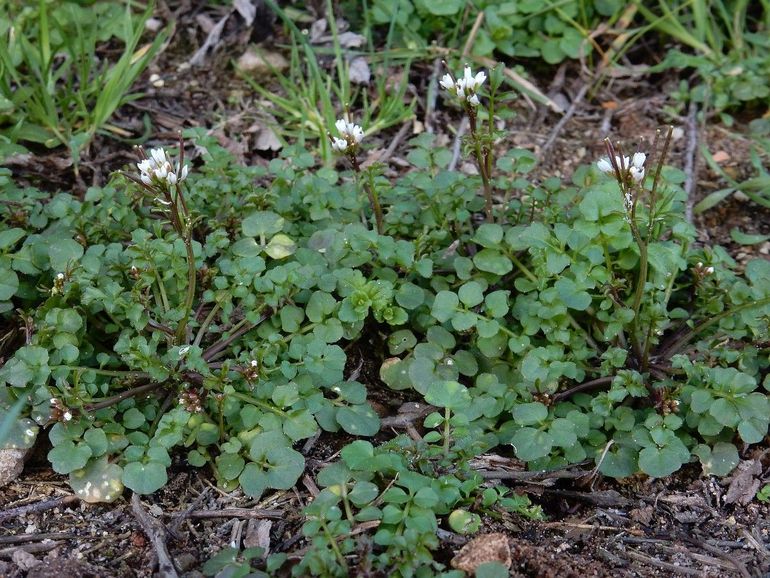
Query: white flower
x,y
67,416
605,166
448,83
464,88
339,145
157,169
351,136
636,170
60,276
471,83
709,271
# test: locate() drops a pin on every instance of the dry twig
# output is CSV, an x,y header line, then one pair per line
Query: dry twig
x,y
156,532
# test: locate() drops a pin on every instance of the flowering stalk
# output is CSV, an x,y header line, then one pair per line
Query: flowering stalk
x,y
465,89
347,144
160,177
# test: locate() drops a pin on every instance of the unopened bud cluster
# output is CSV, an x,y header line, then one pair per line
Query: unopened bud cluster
x,y
191,401
59,411
702,271
251,371
58,284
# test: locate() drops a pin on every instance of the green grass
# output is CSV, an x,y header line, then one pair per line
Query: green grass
x,y
56,88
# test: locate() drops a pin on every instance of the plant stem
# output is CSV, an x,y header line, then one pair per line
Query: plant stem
x,y
257,402
192,275
205,325
674,347
371,193
483,163
107,372
107,402
447,415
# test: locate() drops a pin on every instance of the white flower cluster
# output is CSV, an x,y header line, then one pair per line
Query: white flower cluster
x,y
464,88
158,170
350,137
633,166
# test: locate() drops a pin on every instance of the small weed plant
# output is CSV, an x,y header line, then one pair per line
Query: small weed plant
x,y
205,316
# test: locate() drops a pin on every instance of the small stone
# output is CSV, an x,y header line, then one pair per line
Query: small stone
x,y
11,464
24,560
157,81
483,549
261,61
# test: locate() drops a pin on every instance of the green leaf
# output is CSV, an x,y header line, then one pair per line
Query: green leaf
x,y
531,444
358,420
99,482
230,466
133,419
253,480
358,455
280,247
10,237
400,341
719,460
464,522
445,305
489,235
145,478
9,283
747,239
285,467
572,297
442,7
471,294
68,457
492,261
262,223
491,570
529,413
449,394
63,253
659,462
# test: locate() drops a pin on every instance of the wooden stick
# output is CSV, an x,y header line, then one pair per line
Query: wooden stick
x,y
156,532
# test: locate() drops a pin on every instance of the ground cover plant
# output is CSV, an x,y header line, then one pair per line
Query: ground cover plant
x,y
194,313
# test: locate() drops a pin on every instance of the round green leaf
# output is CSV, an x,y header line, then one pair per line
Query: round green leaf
x,y
144,478
358,420
449,394
285,467
99,481
531,444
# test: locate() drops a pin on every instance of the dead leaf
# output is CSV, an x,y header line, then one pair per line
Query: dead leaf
x,y
258,534
317,30
744,483
212,40
642,515
483,549
720,157
351,40
267,140
246,9
359,71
